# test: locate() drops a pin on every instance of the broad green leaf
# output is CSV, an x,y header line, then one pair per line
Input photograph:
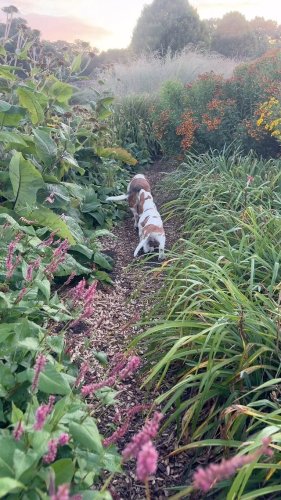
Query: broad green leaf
x,y
53,382
6,329
45,217
10,116
64,471
56,343
23,461
44,286
46,148
86,435
6,73
102,261
61,92
11,138
26,180
7,485
17,414
7,450
30,101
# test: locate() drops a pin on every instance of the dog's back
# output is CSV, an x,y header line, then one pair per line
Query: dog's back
x,y
138,183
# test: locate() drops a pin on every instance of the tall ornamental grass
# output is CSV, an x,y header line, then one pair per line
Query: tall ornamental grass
x,y
216,354
147,73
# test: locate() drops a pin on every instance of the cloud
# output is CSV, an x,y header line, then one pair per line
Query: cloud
x,y
67,28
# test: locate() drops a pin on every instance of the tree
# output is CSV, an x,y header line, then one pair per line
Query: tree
x,y
167,25
235,37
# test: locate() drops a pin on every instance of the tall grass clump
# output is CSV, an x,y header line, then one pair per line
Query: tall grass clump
x,y
147,73
218,346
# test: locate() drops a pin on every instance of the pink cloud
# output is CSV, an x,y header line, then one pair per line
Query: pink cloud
x,y
65,28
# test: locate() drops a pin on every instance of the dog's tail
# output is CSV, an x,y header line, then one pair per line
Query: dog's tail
x,y
117,198
140,245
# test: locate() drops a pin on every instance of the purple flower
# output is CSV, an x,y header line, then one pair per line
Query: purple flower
x,y
18,431
42,412
119,433
205,479
147,461
148,432
87,297
91,388
21,295
58,257
39,367
63,439
62,493
132,366
10,265
81,375
49,241
52,451
31,267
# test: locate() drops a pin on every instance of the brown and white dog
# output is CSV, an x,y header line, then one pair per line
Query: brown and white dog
x,y
151,231
137,183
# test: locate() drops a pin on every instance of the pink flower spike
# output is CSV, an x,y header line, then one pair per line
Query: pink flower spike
x,y
18,431
39,367
148,432
42,412
52,451
21,295
81,375
91,388
62,493
250,179
63,439
147,461
205,479
131,367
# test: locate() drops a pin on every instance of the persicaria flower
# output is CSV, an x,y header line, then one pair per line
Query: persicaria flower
x,y
10,265
205,479
39,367
58,257
21,295
63,439
52,451
82,372
42,412
86,295
132,366
91,388
119,433
147,461
31,267
18,431
148,432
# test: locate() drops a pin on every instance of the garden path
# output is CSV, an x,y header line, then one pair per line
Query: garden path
x,y
113,325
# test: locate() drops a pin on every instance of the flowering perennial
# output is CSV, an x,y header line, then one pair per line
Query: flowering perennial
x,y
205,479
39,367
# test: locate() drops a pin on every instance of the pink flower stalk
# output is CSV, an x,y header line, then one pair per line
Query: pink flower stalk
x,y
78,291
34,265
50,198
118,362
63,439
41,414
147,461
91,388
18,431
250,179
148,432
52,451
70,278
119,433
39,367
58,257
132,366
21,295
49,241
87,296
11,250
81,375
205,479
62,493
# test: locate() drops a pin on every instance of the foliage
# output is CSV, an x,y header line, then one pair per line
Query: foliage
x,y
40,455
218,342
132,124
165,26
270,117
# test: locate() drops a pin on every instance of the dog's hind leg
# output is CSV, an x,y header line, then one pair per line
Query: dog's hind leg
x,y
162,241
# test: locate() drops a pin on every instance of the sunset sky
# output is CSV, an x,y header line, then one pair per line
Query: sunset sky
x,y
109,23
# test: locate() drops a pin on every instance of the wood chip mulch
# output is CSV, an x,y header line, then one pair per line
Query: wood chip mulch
x,y
114,324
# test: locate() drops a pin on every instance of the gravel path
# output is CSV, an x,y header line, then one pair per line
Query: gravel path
x,y
118,309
